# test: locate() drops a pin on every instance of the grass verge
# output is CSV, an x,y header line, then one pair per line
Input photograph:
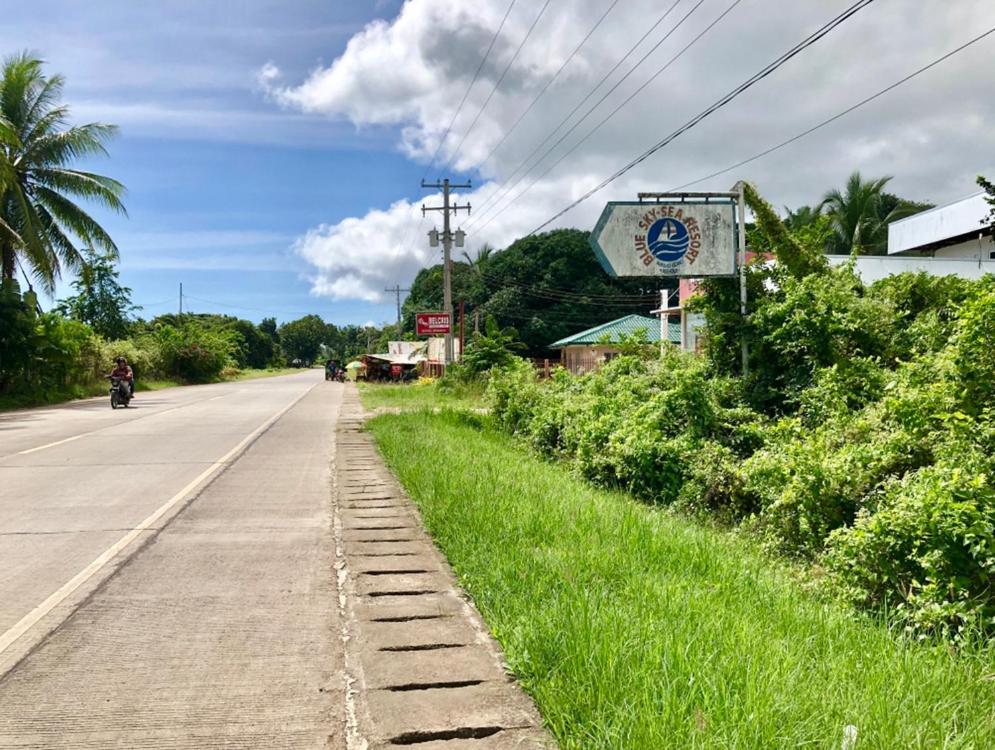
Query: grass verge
x,y
421,395
633,628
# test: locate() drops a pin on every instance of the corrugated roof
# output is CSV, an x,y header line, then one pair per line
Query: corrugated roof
x,y
616,328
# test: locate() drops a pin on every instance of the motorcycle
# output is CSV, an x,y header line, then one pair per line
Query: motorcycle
x,y
120,393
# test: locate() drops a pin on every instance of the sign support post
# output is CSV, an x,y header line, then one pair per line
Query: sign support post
x,y
677,235
745,353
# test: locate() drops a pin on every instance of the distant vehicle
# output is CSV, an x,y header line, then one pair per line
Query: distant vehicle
x,y
120,393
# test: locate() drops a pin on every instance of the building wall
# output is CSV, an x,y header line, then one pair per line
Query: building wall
x,y
583,358
974,249
870,268
965,216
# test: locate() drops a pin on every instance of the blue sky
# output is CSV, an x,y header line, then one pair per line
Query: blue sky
x,y
273,149
220,181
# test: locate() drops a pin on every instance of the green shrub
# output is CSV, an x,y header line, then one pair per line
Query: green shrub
x,y
512,394
142,354
714,485
927,552
194,353
974,348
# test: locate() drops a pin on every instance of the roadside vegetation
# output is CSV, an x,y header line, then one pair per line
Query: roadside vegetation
x,y
862,440
636,628
425,393
550,285
678,554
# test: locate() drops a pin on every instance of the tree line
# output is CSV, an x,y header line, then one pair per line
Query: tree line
x,y
550,285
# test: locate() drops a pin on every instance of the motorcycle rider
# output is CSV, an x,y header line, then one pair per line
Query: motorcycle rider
x,y
123,371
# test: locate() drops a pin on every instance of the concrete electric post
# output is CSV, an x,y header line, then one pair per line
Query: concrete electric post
x,y
447,243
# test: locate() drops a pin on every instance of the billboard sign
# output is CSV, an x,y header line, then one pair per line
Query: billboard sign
x,y
432,323
683,239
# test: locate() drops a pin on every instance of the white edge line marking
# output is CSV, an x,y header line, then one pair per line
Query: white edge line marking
x,y
32,618
52,445
105,427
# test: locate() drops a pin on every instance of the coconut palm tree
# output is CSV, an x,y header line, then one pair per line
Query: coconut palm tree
x,y
860,214
801,217
41,227
484,254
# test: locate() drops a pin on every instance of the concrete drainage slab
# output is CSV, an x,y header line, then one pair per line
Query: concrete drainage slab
x,y
423,670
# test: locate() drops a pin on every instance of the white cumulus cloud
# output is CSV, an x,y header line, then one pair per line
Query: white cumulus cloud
x,y
411,72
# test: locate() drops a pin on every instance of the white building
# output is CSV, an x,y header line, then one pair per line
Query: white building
x,y
954,239
956,230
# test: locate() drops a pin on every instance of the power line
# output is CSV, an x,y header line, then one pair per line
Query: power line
x,y
587,96
245,307
615,111
721,102
551,81
452,121
155,304
466,93
590,111
836,117
487,101
564,295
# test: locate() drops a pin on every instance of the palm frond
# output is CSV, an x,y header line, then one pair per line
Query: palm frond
x,y
38,216
64,146
75,219
46,96
63,251
47,123
21,78
87,185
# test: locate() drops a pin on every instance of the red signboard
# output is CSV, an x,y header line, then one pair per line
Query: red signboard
x,y
432,323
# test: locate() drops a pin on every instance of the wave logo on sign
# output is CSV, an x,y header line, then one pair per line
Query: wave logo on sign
x,y
668,239
671,238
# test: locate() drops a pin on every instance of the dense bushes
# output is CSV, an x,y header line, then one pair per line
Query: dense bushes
x,y
47,357
864,440
194,352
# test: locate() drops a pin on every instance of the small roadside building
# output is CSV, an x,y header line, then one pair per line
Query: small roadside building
x,y
588,350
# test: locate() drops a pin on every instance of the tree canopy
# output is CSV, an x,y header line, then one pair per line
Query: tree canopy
x,y
40,224
100,300
546,286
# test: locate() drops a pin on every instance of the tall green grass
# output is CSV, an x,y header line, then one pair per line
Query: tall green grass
x,y
422,394
636,629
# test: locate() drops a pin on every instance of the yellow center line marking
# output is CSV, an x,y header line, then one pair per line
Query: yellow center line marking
x,y
56,598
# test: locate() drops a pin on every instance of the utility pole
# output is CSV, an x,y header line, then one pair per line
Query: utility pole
x,y
181,299
397,290
447,242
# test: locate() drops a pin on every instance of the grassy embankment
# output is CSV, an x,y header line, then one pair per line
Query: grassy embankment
x,y
100,389
636,629
420,395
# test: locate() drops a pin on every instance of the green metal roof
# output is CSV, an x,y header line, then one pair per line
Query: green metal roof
x,y
616,328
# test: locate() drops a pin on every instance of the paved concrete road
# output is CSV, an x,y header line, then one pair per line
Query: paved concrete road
x,y
131,616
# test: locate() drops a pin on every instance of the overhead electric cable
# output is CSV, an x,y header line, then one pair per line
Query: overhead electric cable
x,y
565,295
837,116
550,82
452,121
500,79
718,104
466,93
615,111
245,307
587,96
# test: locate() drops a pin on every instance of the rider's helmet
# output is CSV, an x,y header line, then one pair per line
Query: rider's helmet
x,y
121,361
